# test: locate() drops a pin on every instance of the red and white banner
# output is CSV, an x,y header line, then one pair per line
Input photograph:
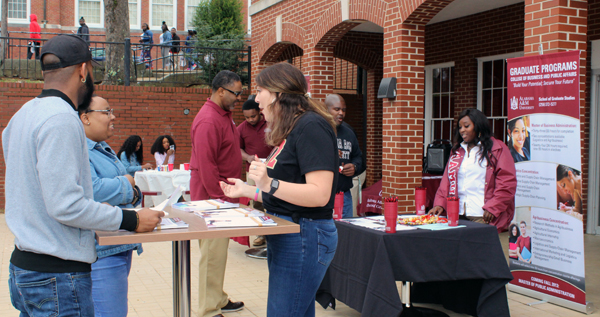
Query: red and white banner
x,y
544,137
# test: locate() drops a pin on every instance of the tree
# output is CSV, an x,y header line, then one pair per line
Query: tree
x,y
116,22
220,41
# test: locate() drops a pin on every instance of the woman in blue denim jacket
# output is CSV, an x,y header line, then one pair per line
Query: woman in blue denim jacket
x,y
114,186
132,155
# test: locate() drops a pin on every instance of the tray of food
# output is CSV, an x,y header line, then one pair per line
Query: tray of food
x,y
421,220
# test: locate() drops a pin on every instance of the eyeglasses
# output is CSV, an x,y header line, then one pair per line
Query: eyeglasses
x,y
108,112
237,94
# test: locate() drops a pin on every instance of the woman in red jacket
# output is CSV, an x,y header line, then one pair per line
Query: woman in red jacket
x,y
481,172
34,35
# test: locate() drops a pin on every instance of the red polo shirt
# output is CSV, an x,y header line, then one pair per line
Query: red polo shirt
x,y
252,139
215,152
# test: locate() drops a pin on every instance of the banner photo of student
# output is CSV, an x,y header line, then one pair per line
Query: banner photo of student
x,y
544,137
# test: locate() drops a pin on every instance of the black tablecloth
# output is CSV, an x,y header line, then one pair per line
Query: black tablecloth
x,y
464,269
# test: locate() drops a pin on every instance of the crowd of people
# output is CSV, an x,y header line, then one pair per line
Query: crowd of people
x,y
299,154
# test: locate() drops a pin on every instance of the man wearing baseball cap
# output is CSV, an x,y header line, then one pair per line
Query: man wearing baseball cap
x,y
49,197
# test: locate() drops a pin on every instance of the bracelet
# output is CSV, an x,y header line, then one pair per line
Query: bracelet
x,y
256,195
137,216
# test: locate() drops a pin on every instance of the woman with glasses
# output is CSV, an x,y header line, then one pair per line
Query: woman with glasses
x,y
132,155
112,185
163,150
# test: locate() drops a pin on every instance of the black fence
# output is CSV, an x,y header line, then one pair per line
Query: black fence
x,y
144,64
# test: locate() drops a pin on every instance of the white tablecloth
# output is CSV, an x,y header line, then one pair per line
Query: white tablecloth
x,y
164,182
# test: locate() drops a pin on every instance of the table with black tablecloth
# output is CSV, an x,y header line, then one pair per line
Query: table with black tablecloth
x,y
464,269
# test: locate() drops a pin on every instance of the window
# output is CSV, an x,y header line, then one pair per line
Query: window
x,y
92,11
17,9
190,12
439,102
491,91
162,10
134,15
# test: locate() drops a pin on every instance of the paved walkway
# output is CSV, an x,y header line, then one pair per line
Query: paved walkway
x,y
150,283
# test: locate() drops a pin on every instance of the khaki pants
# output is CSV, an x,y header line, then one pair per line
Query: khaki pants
x,y
213,259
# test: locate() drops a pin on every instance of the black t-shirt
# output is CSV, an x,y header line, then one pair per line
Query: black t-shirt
x,y
311,146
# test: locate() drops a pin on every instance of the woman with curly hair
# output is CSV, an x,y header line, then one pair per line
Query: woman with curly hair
x,y
131,155
481,172
163,150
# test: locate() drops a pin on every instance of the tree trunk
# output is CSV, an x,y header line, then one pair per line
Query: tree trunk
x,y
4,26
116,22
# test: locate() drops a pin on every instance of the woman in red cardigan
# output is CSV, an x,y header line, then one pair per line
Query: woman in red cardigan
x,y
481,172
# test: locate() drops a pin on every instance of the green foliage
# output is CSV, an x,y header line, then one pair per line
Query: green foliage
x,y
220,42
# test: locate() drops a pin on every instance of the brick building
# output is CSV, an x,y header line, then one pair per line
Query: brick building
x,y
62,16
446,55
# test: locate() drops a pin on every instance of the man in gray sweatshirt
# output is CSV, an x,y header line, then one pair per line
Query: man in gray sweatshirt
x,y
48,188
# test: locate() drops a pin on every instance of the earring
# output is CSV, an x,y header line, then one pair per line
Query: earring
x,y
83,80
479,135
89,123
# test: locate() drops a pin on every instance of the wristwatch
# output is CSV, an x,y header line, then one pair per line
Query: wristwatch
x,y
274,186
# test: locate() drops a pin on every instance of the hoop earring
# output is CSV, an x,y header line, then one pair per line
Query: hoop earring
x,y
83,80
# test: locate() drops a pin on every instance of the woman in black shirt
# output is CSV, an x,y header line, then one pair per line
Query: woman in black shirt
x,y
295,183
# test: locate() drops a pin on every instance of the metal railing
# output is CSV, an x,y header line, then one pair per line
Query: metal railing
x,y
153,64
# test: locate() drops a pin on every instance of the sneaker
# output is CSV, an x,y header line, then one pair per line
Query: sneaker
x,y
260,240
232,306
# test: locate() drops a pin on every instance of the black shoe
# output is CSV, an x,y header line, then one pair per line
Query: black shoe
x,y
231,306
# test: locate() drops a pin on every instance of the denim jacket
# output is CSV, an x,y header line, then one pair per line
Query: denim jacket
x,y
132,165
110,186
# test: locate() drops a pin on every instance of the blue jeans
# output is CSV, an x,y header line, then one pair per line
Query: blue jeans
x,y
297,263
42,294
348,212
109,284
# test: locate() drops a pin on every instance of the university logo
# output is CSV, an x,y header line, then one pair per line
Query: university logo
x,y
272,161
514,103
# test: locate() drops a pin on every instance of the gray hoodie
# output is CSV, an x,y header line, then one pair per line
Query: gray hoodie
x,y
48,185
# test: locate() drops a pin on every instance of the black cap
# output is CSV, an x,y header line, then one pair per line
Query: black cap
x,y
70,50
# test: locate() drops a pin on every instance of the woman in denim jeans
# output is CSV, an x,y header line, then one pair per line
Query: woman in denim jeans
x,y
295,183
113,185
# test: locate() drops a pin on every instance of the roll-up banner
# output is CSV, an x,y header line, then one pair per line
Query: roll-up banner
x,y
544,138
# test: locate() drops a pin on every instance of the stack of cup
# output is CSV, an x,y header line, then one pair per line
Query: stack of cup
x,y
338,206
390,213
420,200
452,205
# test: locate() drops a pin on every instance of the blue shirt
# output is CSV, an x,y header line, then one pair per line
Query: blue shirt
x,y
110,186
131,165
147,37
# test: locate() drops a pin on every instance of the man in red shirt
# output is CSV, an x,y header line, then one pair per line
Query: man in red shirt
x,y
252,143
215,157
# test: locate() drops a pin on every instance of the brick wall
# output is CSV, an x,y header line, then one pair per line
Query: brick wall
x,y
145,111
462,41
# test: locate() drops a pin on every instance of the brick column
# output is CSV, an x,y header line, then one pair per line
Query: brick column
x,y
558,26
318,62
374,127
404,57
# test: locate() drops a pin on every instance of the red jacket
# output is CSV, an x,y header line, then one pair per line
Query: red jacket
x,y
500,185
34,27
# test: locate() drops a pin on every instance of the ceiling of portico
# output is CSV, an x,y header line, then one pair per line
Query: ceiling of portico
x,y
456,9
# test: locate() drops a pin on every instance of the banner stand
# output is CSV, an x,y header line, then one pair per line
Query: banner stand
x,y
589,308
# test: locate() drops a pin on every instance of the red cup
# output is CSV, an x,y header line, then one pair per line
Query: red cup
x,y
420,200
338,206
170,167
186,166
390,212
452,205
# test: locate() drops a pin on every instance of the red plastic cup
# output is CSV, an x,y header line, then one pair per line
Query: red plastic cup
x,y
170,167
420,200
390,213
452,206
338,206
186,166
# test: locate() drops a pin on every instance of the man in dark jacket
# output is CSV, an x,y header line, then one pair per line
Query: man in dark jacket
x,y
351,163
175,47
83,31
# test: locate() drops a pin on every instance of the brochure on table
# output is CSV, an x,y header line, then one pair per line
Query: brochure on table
x,y
547,260
199,205
233,212
233,222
